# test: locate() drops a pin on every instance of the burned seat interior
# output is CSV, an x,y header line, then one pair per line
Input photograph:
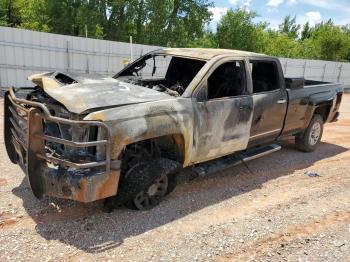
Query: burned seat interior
x,y
163,73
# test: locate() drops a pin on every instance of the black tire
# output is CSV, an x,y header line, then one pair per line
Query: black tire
x,y
309,140
158,175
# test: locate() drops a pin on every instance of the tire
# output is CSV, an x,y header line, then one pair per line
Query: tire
x,y
147,183
309,140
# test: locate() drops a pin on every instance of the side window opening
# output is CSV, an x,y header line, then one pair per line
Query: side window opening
x,y
265,76
227,80
181,72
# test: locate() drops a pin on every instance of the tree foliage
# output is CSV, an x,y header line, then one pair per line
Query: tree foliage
x,y
178,23
326,41
236,30
157,22
289,27
307,31
10,13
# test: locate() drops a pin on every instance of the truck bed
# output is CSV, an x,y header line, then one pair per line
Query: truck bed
x,y
305,99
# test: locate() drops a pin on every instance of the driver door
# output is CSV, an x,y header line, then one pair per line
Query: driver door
x,y
223,109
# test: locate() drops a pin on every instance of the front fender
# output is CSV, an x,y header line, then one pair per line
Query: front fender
x,y
134,123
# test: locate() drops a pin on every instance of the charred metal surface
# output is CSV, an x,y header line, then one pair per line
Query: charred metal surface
x,y
50,173
10,146
111,92
83,187
36,167
149,120
219,130
71,132
207,54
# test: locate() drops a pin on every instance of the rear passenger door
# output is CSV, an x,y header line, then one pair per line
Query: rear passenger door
x,y
269,100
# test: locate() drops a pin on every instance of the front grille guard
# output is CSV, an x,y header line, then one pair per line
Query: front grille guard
x,y
22,122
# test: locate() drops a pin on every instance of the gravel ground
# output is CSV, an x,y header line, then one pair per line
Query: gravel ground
x,y
275,213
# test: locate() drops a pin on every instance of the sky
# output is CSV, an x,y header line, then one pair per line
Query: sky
x,y
273,11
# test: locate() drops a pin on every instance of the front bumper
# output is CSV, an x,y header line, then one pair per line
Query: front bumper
x,y
51,174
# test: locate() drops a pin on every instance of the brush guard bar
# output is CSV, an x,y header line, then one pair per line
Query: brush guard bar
x,y
25,143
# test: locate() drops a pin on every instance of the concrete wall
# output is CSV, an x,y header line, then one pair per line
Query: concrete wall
x,y
317,70
24,52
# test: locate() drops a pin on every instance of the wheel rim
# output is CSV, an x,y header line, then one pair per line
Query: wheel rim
x,y
315,134
149,198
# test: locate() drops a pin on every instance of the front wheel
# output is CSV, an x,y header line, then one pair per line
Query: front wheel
x,y
311,137
147,183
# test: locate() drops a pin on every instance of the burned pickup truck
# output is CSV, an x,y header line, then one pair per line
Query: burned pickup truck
x,y
126,138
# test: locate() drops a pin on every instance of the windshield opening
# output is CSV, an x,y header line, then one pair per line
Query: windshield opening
x,y
163,73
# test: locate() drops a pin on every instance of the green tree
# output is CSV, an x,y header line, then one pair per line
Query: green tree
x,y
177,22
290,27
236,30
34,16
208,40
281,45
307,31
10,12
331,41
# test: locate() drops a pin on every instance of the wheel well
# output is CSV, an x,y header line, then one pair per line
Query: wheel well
x,y
323,111
170,146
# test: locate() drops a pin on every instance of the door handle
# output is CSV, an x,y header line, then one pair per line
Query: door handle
x,y
282,101
258,119
245,107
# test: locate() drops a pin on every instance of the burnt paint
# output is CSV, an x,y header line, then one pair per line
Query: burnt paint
x,y
218,128
221,127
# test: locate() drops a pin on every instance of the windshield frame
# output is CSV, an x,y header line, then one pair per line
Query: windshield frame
x,y
159,52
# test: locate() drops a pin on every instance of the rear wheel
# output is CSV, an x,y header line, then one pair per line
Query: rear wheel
x,y
311,137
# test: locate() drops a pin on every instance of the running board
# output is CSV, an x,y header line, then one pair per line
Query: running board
x,y
235,159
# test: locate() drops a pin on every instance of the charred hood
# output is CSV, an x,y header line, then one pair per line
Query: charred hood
x,y
79,93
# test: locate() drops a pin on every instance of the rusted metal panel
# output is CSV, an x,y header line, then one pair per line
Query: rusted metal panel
x,y
87,188
36,167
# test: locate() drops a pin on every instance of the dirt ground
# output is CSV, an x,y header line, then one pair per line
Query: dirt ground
x,y
275,213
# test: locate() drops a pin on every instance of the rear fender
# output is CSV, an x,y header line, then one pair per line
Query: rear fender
x,y
324,99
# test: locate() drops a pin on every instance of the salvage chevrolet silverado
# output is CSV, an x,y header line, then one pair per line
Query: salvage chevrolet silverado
x,y
126,138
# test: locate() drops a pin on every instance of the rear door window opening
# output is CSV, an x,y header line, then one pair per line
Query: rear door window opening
x,y
265,76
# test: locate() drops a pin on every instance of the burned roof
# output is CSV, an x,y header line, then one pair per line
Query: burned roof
x,y
204,53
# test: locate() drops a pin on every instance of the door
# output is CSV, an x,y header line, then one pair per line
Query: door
x,y
222,111
269,101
